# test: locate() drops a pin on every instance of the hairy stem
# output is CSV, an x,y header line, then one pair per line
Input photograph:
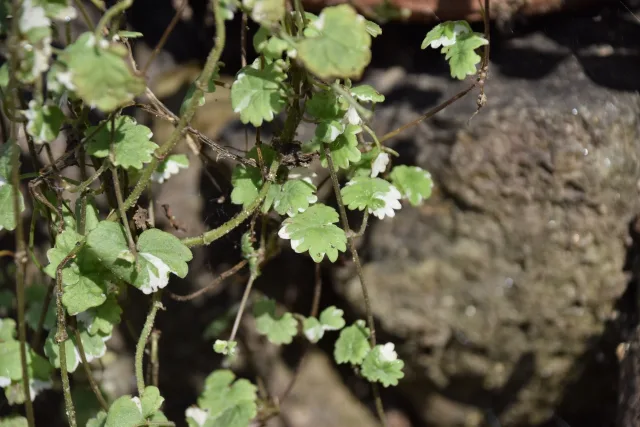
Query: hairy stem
x,y
142,341
20,258
62,336
87,370
110,14
190,109
356,261
212,235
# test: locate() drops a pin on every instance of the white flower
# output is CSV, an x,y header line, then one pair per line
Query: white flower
x,y
379,164
387,352
391,201
319,23
352,117
444,41
3,181
196,414
32,17
5,382
158,281
171,167
86,318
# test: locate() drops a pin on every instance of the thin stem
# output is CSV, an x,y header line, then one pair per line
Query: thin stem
x,y
356,261
432,112
233,270
35,342
21,258
85,184
364,113
110,14
212,235
87,370
373,135
142,341
165,35
122,211
176,135
243,303
243,41
363,227
62,336
155,358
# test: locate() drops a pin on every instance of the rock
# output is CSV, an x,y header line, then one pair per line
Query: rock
x,y
500,287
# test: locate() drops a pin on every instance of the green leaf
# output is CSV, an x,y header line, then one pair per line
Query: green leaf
x,y
129,34
314,230
151,401
58,9
228,348
52,351
84,280
344,150
328,131
10,368
382,365
341,46
98,421
445,34
373,29
265,12
270,46
413,182
278,329
102,319
326,105
15,421
211,87
352,345
7,330
332,319
295,197
462,56
126,411
375,194
366,93
43,122
132,145
312,329
258,94
100,73
228,403
7,212
246,183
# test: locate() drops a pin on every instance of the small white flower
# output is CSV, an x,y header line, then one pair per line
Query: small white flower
x,y
136,400
284,234
379,164
387,352
391,201
444,41
196,414
3,181
171,167
352,117
158,281
5,382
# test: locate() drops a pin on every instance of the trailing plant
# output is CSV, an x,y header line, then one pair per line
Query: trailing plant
x,y
305,71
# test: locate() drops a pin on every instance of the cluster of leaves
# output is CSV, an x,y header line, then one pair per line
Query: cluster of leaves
x,y
304,68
